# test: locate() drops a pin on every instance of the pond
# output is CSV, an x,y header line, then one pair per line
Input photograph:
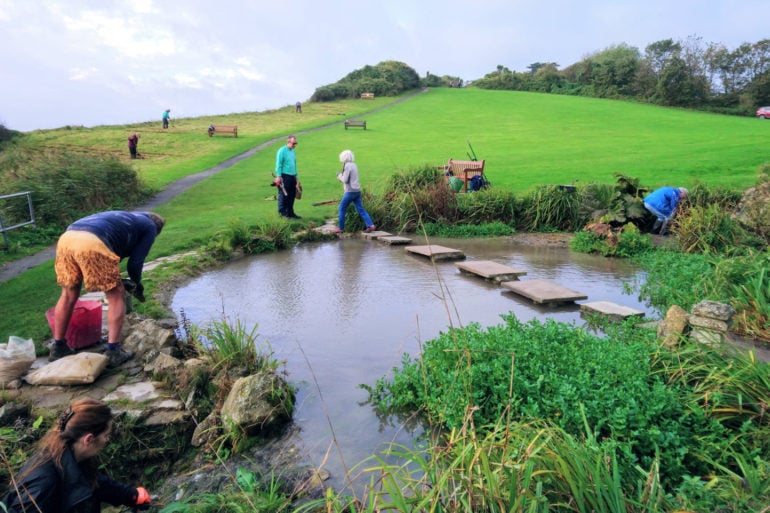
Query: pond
x,y
343,313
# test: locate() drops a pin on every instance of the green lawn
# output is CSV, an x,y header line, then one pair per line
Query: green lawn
x,y
527,139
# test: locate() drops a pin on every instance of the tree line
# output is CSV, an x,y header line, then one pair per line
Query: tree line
x,y
678,73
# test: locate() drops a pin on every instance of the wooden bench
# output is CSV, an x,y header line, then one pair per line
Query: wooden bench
x,y
360,123
367,96
464,170
223,129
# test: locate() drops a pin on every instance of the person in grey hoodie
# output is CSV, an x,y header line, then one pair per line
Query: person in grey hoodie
x,y
352,193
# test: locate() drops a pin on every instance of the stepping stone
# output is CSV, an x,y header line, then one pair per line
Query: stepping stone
x,y
435,252
376,234
543,291
490,270
394,240
611,310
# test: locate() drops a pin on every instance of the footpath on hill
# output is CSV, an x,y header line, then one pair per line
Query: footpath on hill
x,y
17,267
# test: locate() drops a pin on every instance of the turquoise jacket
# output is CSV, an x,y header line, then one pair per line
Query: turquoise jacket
x,y
286,162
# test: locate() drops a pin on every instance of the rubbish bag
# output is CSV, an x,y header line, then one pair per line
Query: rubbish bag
x,y
16,358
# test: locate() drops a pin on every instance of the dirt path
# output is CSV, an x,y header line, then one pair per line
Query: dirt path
x,y
172,190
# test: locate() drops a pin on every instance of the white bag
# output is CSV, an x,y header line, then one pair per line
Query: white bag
x,y
77,369
16,358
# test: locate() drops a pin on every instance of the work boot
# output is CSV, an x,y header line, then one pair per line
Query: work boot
x,y
117,356
656,226
59,350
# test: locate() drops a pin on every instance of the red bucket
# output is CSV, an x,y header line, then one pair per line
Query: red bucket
x,y
85,328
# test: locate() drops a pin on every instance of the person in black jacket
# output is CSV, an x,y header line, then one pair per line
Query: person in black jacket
x,y
62,477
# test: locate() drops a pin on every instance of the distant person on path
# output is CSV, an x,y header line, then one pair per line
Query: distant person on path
x,y
133,143
212,129
286,178
90,251
166,117
352,193
63,475
662,204
298,107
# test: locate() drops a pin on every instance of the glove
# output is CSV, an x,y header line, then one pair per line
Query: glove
x,y
143,498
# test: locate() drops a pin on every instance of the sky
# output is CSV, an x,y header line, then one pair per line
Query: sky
x,y
104,62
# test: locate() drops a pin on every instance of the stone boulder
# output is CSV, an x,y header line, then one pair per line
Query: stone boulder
x,y
753,211
258,402
674,326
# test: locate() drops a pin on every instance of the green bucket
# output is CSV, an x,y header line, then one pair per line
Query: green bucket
x,y
455,183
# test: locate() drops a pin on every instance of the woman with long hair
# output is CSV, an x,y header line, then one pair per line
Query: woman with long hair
x,y
62,476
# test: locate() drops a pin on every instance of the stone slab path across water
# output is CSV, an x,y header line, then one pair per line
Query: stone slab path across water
x,y
543,291
490,270
436,252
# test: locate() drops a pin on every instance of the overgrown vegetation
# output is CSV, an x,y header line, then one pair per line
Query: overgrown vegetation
x,y
388,78
643,421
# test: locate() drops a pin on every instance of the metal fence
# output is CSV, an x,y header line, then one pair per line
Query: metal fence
x,y
3,228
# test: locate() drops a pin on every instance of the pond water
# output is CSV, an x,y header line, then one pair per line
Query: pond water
x,y
343,313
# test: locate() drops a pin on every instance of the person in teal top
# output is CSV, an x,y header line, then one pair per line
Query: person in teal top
x,y
286,178
166,117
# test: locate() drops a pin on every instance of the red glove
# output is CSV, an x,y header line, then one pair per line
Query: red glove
x,y
142,497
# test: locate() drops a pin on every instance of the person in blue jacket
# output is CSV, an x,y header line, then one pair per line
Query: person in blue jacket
x,y
89,252
662,204
63,475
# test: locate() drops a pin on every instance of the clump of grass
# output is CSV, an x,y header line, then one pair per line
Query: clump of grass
x,y
624,242
488,206
497,229
552,208
711,229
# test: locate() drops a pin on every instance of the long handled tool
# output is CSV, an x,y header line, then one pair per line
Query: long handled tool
x,y
327,202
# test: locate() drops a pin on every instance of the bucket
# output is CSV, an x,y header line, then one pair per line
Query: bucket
x,y
85,328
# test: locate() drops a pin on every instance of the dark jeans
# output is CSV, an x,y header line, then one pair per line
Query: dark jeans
x,y
132,150
165,123
286,201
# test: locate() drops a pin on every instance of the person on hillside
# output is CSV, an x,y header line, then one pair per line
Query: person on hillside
x,y
351,187
90,251
286,178
63,475
298,107
166,117
133,144
662,204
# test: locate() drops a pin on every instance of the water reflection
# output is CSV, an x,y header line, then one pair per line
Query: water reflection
x,y
343,313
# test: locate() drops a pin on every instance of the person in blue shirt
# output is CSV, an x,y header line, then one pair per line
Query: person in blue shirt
x,y
166,117
662,204
286,178
89,252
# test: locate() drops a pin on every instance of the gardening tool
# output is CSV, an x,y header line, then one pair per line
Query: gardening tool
x,y
474,158
327,202
283,189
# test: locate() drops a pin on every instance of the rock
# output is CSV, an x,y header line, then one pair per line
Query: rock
x,y
258,402
206,431
162,363
708,337
11,412
714,310
697,321
674,327
148,336
753,211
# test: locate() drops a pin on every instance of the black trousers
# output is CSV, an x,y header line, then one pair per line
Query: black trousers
x,y
286,201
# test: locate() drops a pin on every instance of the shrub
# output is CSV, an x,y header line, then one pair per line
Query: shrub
x,y
625,242
711,229
66,186
552,208
488,206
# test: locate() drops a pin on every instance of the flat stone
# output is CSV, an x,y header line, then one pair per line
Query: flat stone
x,y
436,252
395,240
376,234
708,323
543,291
611,310
714,310
490,270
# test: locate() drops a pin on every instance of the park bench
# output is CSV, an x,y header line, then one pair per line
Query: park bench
x,y
464,170
223,129
367,96
360,123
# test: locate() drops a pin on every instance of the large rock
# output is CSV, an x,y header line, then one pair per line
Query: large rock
x,y
753,210
149,336
258,403
674,326
714,310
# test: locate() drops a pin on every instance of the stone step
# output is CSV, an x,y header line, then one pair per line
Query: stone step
x,y
611,310
490,270
543,291
436,252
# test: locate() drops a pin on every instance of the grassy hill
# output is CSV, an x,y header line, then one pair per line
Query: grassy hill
x,y
527,139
